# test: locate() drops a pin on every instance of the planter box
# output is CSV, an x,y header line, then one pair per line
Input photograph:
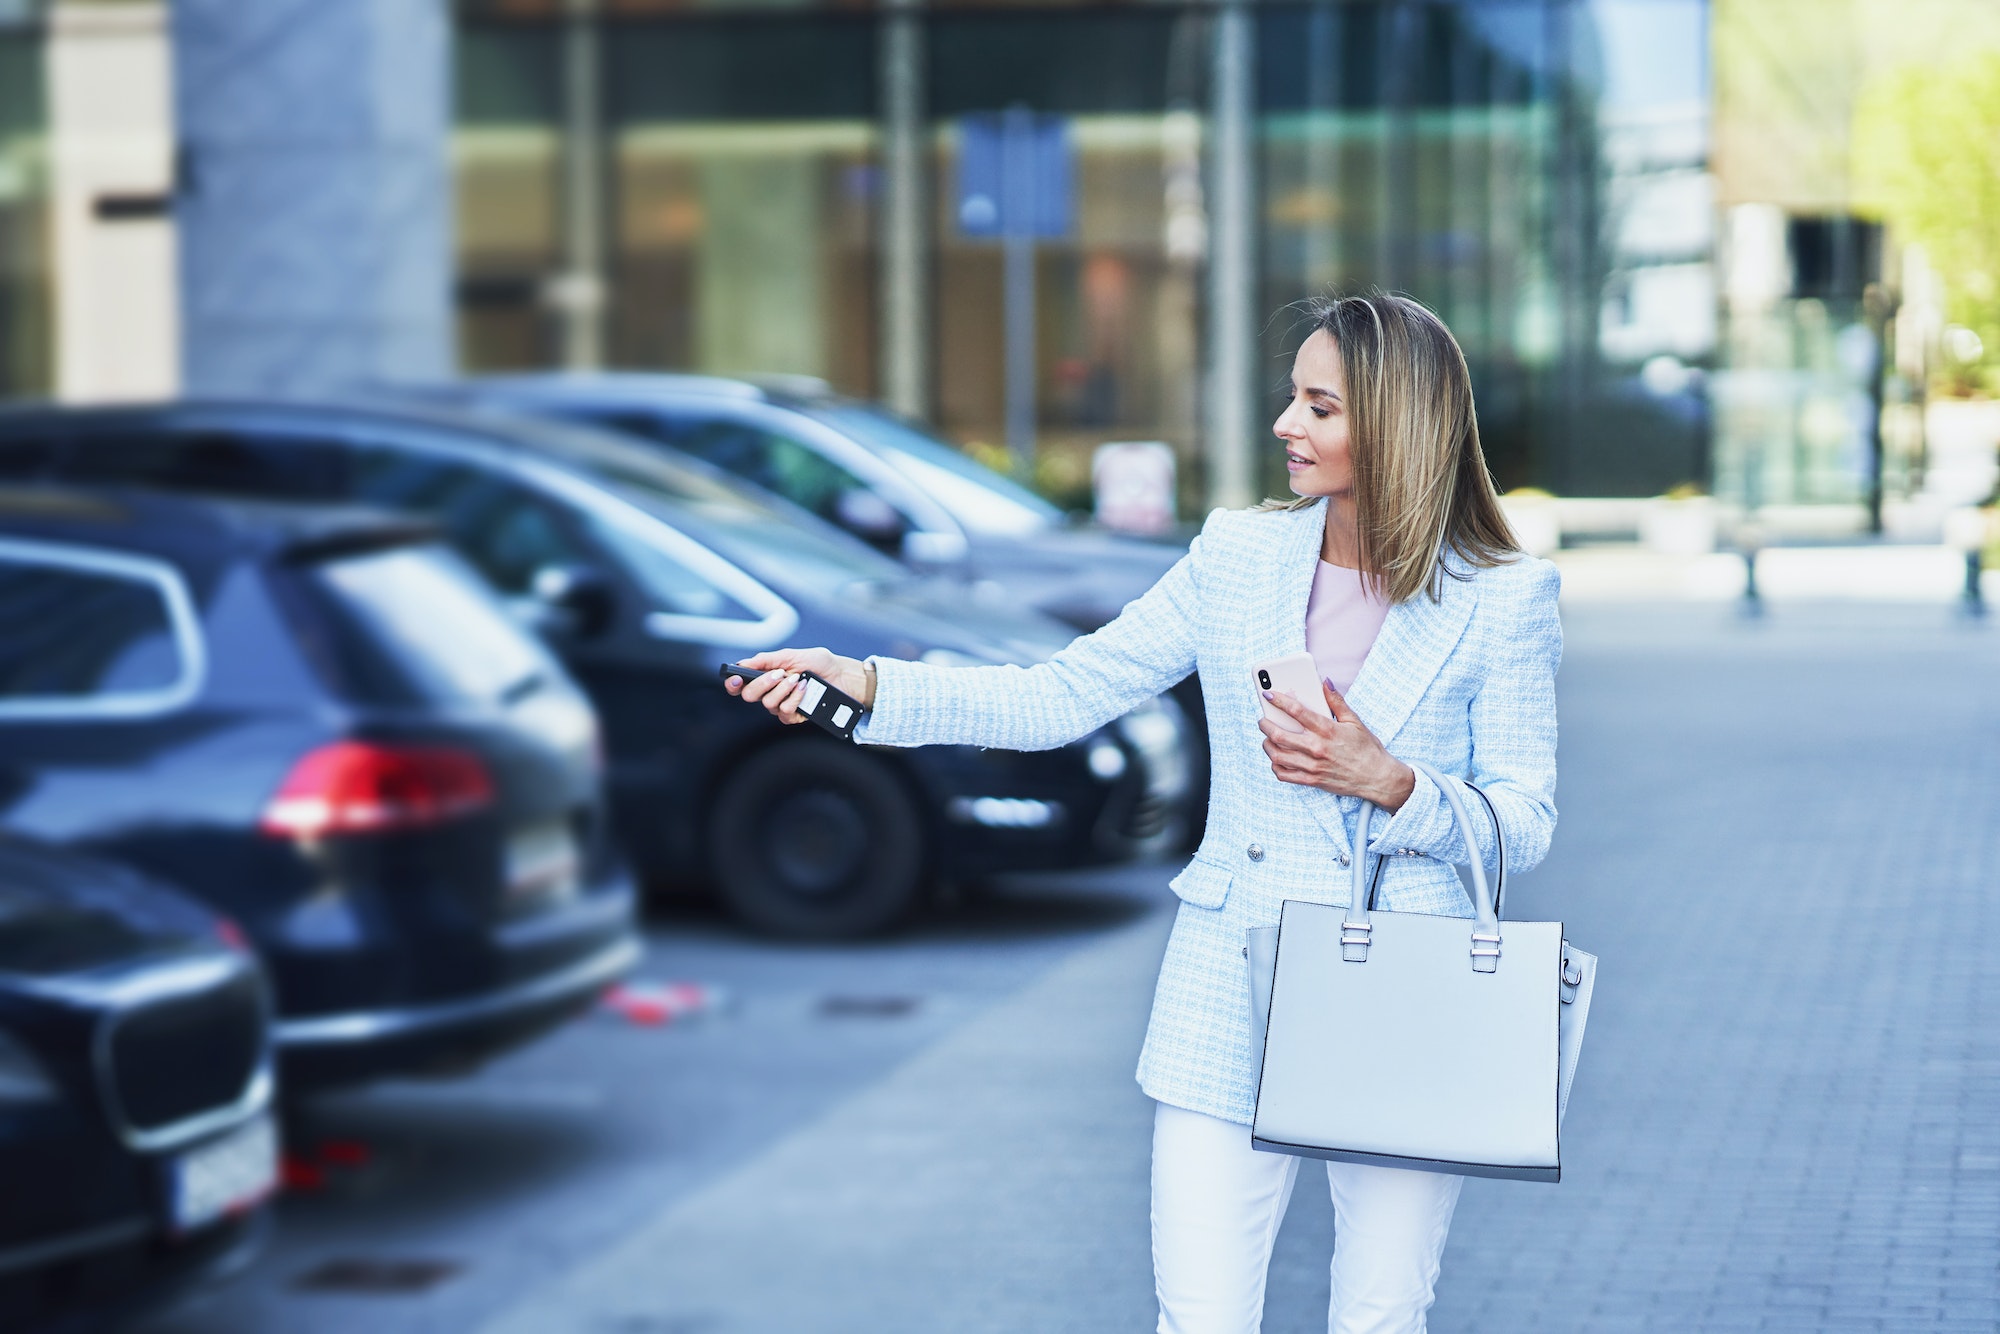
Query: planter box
x,y
1536,521
1679,527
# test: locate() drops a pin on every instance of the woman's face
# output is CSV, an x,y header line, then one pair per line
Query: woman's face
x,y
1314,425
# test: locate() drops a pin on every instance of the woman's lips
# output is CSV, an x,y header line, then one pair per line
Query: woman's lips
x,y
1293,463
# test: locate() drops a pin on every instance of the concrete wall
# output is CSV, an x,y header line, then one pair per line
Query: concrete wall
x,y
111,180
315,213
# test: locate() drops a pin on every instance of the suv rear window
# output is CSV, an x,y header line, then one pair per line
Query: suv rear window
x,y
83,632
414,625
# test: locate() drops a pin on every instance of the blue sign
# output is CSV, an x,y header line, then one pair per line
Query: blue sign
x,y
1014,175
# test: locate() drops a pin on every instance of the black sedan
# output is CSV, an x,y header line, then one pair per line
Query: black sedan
x,y
321,724
136,1142
879,476
648,572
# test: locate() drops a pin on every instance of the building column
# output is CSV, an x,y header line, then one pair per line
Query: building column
x,y
111,150
905,235
315,193
904,299
578,293
1232,287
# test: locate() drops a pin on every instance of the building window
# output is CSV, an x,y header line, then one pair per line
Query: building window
x,y
25,321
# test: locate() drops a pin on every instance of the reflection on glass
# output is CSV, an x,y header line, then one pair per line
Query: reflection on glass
x,y
506,155
1446,150
977,496
672,586
1536,170
25,322
768,541
79,635
431,616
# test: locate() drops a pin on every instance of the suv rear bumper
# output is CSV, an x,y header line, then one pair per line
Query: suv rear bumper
x,y
554,990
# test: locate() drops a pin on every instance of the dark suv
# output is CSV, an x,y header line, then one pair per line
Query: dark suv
x,y
320,723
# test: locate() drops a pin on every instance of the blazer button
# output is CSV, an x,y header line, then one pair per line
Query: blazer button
x,y
1343,859
1256,852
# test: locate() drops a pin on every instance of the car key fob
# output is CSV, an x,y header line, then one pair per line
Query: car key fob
x,y
828,706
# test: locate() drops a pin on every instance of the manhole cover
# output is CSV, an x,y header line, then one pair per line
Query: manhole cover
x,y
867,1007
380,1276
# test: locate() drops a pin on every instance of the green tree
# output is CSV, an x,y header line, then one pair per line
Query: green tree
x,y
1927,160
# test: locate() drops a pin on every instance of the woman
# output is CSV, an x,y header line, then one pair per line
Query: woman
x,y
1437,640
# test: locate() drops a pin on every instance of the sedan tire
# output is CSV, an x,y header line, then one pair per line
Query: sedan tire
x,y
815,840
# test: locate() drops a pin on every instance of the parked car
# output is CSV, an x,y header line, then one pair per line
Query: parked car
x,y
321,724
880,476
137,1146
648,571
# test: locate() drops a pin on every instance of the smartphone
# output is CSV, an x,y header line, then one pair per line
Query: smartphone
x,y
822,703
1296,674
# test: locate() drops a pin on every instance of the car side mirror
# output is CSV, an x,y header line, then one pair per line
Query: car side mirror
x,y
575,601
869,517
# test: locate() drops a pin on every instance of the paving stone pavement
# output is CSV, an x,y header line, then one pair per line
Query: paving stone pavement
x,y
1780,837
1783,838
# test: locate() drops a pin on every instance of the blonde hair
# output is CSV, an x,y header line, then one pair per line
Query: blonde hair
x,y
1420,481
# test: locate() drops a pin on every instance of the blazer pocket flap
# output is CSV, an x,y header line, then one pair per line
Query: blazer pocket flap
x,y
1204,884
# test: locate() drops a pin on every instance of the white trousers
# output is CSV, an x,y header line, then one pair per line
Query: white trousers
x,y
1217,1204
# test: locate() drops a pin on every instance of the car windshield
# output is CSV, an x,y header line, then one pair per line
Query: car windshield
x,y
420,626
774,542
977,497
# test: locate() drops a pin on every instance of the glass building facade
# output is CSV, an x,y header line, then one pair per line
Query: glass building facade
x,y
26,341
1451,149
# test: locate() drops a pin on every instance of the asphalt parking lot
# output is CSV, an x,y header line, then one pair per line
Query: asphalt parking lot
x,y
443,1202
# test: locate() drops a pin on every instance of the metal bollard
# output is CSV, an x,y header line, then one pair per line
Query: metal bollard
x,y
1753,600
1969,528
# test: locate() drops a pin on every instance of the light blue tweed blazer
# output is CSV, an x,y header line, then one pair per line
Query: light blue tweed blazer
x,y
1465,682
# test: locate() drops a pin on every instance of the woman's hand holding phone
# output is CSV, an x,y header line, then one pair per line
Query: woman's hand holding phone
x,y
1338,754
778,686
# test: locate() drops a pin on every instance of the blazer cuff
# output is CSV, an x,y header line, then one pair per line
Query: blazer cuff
x,y
1424,824
903,694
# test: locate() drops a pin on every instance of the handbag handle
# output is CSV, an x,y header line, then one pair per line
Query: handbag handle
x,y
1499,846
1356,928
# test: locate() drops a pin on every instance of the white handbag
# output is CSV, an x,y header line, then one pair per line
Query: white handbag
x,y
1417,1041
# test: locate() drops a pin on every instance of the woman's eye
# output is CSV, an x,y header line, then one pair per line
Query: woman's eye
x,y
1321,413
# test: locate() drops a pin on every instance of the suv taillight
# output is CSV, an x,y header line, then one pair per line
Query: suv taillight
x,y
361,787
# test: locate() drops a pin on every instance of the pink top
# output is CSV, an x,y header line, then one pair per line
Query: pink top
x,y
1342,619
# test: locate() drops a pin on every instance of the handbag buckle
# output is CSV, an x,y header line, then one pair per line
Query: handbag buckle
x,y
1485,960
1354,947
1572,978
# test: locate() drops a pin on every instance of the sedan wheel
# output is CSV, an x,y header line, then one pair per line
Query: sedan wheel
x,y
808,839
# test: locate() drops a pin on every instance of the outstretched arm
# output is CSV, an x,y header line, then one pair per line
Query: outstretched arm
x,y
1098,677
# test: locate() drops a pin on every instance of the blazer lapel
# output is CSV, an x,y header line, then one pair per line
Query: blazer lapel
x,y
1416,638
1283,632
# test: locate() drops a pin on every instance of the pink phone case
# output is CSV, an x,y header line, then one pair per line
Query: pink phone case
x,y
1297,675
